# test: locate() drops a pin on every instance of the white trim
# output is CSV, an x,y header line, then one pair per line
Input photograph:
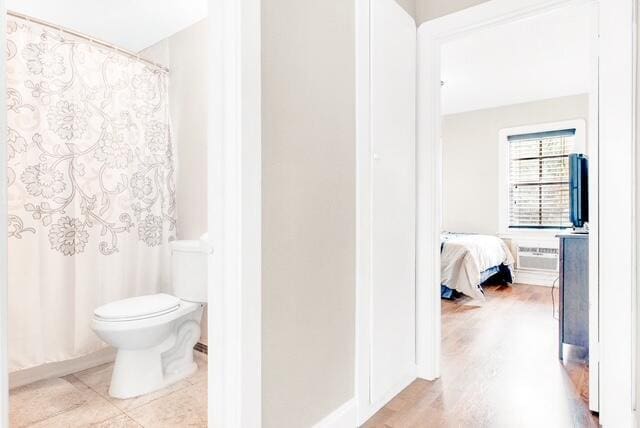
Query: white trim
x,y
579,124
4,297
615,161
370,409
636,295
594,215
363,211
250,206
235,388
62,368
617,221
503,167
429,200
343,417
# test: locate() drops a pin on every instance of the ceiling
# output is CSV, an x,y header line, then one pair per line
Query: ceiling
x,y
132,25
542,57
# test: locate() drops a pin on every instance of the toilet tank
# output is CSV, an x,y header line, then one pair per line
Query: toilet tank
x,y
189,260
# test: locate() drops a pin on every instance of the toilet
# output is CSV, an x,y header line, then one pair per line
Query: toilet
x,y
155,334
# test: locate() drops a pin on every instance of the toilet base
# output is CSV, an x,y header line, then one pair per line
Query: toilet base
x,y
142,371
136,375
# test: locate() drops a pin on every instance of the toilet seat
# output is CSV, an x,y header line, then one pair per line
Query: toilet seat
x,y
137,308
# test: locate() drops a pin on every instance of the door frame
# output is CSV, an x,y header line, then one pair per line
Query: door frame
x,y
235,219
436,33
363,203
616,167
362,368
4,279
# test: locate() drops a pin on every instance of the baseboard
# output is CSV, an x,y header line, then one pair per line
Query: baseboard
x,y
544,279
367,412
62,368
343,417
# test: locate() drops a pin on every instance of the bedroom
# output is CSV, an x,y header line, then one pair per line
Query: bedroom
x,y
516,103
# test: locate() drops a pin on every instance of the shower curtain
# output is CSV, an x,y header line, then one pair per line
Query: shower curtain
x,y
91,179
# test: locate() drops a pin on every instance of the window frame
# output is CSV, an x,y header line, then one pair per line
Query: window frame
x,y
580,146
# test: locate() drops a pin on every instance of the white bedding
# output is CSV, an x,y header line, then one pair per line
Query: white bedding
x,y
465,257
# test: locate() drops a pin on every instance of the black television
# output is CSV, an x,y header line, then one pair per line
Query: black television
x,y
578,190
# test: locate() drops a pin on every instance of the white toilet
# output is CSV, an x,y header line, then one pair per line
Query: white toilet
x,y
155,334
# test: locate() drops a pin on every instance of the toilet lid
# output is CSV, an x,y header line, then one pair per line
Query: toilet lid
x,y
138,307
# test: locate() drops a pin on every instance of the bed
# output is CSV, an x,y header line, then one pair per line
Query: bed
x,y
468,261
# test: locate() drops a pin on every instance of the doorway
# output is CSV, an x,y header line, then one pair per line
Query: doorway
x,y
233,140
614,167
519,99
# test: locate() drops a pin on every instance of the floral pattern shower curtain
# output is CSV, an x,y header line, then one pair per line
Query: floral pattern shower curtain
x,y
91,179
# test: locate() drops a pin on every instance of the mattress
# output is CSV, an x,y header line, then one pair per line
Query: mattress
x,y
468,260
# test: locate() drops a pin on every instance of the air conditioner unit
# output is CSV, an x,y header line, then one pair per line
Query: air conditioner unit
x,y
537,258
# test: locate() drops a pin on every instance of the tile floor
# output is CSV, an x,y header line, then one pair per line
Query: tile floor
x,y
81,400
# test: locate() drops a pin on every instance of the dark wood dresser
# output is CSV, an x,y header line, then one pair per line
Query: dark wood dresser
x,y
574,291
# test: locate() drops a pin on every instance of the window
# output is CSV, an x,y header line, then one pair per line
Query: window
x,y
538,179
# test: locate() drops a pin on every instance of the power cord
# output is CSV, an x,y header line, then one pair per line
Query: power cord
x,y
553,300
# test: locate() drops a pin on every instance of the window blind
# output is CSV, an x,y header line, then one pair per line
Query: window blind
x,y
539,179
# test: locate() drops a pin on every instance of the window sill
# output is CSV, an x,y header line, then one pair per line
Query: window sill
x,y
532,233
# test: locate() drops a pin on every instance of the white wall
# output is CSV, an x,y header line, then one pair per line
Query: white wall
x,y
409,6
188,103
131,25
470,157
158,53
4,296
431,9
183,54
308,208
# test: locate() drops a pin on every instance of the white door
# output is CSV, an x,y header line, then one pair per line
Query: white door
x,y
393,82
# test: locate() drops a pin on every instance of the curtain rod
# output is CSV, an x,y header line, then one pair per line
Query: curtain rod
x,y
86,37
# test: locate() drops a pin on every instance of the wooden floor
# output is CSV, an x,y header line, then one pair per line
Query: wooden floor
x,y
500,368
